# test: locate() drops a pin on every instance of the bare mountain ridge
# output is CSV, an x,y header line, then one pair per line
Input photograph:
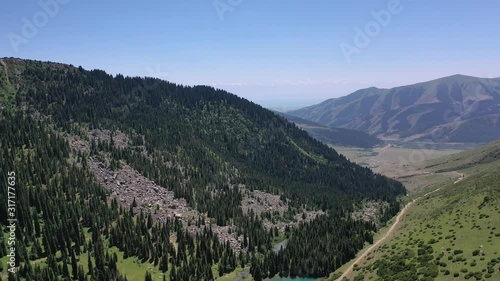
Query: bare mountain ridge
x,y
457,108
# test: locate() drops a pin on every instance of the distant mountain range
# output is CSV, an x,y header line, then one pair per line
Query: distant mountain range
x,y
457,108
334,136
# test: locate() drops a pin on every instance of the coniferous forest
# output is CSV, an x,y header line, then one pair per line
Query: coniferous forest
x,y
205,145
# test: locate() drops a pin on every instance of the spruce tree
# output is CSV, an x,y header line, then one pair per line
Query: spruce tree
x,y
89,263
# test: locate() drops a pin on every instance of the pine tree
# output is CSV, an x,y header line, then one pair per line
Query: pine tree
x,y
257,276
37,224
164,262
90,266
220,269
74,266
81,273
3,251
65,268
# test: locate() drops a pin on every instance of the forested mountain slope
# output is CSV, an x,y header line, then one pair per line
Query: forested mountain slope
x,y
122,152
334,136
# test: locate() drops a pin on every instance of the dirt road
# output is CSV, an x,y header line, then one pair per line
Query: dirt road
x,y
386,235
380,241
460,176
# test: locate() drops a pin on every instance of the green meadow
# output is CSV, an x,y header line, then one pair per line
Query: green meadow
x,y
451,234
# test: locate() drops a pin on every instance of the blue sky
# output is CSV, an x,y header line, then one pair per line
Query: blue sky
x,y
281,53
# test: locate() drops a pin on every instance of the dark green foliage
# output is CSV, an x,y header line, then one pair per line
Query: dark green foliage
x,y
67,199
320,255
408,265
201,120
335,136
216,137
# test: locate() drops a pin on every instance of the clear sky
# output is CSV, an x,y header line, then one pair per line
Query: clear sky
x,y
277,53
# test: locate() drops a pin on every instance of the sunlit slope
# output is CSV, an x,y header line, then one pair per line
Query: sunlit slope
x,y
451,234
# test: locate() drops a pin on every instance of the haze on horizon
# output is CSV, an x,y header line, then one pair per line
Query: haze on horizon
x,y
278,54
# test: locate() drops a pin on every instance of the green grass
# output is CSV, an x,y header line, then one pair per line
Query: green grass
x,y
460,222
131,267
473,158
5,259
227,277
7,90
317,158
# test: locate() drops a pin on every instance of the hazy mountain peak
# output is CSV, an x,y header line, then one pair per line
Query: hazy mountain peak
x,y
456,108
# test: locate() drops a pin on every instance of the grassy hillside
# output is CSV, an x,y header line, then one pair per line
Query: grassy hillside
x,y
472,158
7,90
451,234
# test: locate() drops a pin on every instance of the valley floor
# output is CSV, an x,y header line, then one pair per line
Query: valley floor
x,y
450,227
